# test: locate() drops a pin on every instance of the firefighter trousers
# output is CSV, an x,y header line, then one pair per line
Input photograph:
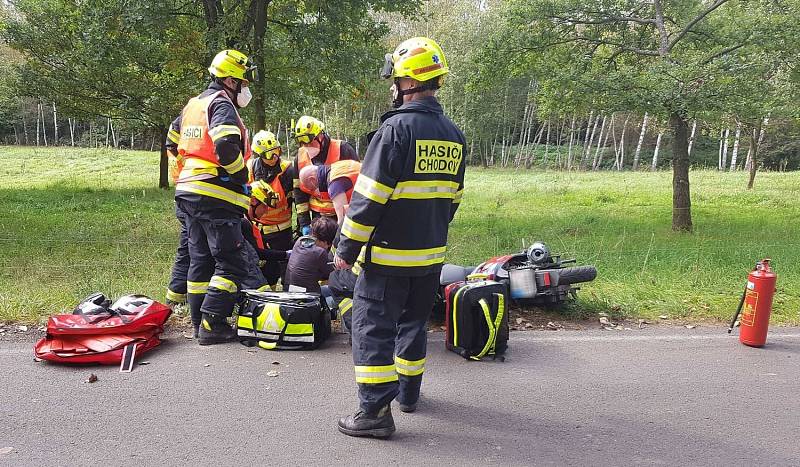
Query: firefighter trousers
x,y
176,291
389,332
217,264
274,270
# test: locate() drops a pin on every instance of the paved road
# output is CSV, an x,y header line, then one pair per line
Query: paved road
x,y
644,397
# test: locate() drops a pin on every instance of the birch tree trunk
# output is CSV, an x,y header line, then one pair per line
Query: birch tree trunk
x,y
588,150
586,137
599,139
735,152
725,150
55,126
38,120
44,124
108,130
691,137
639,145
621,156
71,131
598,155
654,165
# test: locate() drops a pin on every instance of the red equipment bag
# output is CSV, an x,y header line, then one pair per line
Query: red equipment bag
x,y
102,335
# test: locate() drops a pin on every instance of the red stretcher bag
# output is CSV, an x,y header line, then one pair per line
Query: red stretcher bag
x,y
98,333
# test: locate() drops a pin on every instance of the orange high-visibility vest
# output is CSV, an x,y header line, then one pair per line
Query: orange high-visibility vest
x,y
346,168
198,153
323,203
274,219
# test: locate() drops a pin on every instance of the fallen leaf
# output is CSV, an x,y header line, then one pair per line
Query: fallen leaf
x,y
554,326
188,336
276,363
6,450
207,365
442,328
272,374
690,326
663,317
628,329
608,328
92,378
37,359
144,363
23,328
520,320
604,320
528,325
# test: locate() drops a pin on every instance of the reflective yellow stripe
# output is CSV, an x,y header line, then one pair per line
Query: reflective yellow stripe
x,y
214,191
196,287
345,306
425,189
195,166
376,374
295,183
224,130
268,229
235,166
222,283
302,208
457,198
173,136
408,258
175,296
409,367
321,205
356,268
355,231
373,190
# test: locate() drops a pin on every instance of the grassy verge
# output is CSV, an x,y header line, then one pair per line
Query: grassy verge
x,y
79,220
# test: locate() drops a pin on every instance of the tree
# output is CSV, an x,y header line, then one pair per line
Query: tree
x,y
674,58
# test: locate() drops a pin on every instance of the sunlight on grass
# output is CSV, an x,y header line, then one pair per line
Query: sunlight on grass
x,y
76,221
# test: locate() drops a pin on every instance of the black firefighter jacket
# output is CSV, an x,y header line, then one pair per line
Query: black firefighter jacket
x,y
408,191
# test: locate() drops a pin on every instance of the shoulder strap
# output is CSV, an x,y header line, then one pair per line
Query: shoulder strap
x,y
492,325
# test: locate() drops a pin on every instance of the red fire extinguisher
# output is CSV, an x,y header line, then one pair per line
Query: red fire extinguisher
x,y
756,305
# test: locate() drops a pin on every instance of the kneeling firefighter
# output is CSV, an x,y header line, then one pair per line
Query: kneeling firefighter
x,y
212,191
272,183
407,193
316,148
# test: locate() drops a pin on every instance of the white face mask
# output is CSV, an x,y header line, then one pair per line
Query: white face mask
x,y
244,96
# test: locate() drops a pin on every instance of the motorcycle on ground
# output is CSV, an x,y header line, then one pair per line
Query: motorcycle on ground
x,y
533,277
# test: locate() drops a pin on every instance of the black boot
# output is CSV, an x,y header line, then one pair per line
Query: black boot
x,y
215,330
377,425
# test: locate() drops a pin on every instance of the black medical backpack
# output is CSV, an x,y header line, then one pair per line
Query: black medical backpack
x,y
476,319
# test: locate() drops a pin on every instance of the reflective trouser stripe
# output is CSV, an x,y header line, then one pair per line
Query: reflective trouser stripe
x,y
196,287
407,258
175,296
376,374
221,283
355,231
345,306
214,191
409,367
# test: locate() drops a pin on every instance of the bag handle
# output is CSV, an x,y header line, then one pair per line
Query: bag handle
x,y
492,325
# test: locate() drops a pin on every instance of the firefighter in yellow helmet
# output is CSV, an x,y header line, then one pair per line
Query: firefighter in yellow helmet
x,y
407,193
213,193
316,148
272,184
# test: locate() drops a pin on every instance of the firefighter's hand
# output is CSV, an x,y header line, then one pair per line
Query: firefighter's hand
x,y
339,263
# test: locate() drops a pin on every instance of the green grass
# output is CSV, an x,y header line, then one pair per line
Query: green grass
x,y
74,221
